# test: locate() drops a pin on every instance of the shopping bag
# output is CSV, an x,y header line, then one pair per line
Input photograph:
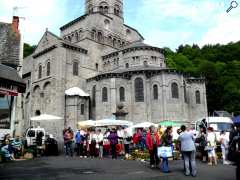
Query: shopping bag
x,y
165,152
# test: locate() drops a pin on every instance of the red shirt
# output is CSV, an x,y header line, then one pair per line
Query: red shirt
x,y
149,140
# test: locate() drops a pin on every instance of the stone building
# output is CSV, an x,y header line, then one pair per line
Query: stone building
x,y
11,84
107,59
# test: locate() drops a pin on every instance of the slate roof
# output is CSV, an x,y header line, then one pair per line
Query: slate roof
x,y
9,45
9,75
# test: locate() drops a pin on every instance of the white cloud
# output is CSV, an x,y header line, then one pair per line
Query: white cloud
x,y
38,14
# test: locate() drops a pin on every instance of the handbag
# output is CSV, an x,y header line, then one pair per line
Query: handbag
x,y
165,152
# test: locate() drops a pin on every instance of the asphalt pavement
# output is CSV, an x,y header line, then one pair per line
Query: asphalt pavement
x,y
61,168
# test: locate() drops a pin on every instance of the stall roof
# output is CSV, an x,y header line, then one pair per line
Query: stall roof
x,y
76,91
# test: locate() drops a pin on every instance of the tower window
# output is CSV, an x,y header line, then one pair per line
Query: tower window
x,y
94,96
93,34
139,90
127,65
117,10
48,69
174,89
114,42
155,92
75,68
96,66
100,37
122,94
198,97
104,95
105,9
40,72
82,109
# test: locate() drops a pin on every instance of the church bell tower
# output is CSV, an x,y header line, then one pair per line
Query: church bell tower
x,y
108,7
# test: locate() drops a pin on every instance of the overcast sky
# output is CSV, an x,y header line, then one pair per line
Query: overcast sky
x,y
163,23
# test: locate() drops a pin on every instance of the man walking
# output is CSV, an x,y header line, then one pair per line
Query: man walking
x,y
188,151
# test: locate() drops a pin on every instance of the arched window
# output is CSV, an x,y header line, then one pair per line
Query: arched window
x,y
145,63
104,95
76,36
110,39
96,65
40,72
90,9
139,90
117,10
185,91
107,23
174,89
122,94
114,42
198,97
94,96
105,9
100,37
75,68
48,69
93,34
155,92
127,65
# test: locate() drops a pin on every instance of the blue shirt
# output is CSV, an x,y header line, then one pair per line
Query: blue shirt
x,y
187,142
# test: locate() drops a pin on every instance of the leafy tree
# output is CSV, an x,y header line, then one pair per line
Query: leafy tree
x,y
28,49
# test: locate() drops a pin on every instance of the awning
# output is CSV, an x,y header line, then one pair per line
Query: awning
x,y
8,78
143,125
76,91
45,117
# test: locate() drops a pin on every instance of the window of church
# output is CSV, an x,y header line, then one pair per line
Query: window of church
x,y
139,90
119,43
100,37
114,42
40,72
94,96
48,69
104,95
96,66
155,92
127,65
198,97
185,91
75,68
105,9
76,36
122,94
110,39
174,89
117,10
100,9
145,63
107,23
90,9
93,34
82,109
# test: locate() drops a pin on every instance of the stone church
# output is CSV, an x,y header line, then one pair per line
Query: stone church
x,y
107,59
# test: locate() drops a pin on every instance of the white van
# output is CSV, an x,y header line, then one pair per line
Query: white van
x,y
217,123
32,133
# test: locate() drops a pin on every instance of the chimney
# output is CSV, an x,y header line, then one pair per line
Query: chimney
x,y
15,24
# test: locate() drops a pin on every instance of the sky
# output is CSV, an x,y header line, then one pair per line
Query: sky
x,y
163,23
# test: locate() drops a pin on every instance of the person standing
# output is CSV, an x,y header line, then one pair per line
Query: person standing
x,y
202,140
113,138
188,150
224,146
99,146
126,140
166,140
120,133
234,148
152,142
92,143
78,141
211,146
68,139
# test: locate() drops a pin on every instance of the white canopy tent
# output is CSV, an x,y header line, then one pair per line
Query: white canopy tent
x,y
45,117
112,122
76,91
88,123
143,125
